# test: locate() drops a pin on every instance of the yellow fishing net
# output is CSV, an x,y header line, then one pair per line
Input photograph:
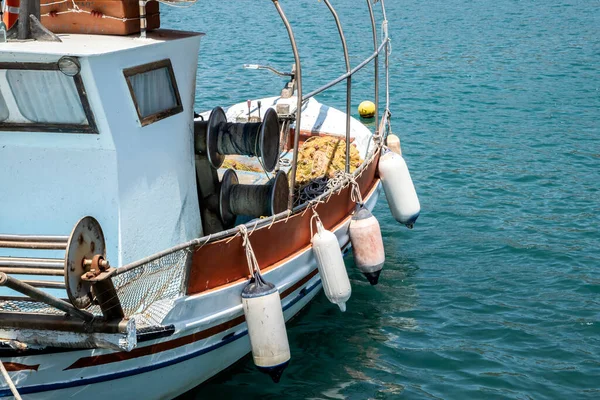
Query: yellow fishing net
x,y
323,156
239,164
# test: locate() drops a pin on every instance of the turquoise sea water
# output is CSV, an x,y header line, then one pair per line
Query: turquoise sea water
x,y
496,292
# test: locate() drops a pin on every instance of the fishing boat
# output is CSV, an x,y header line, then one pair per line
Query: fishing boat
x,y
144,247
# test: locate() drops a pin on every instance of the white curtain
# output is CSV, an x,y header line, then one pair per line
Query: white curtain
x,y
153,91
46,96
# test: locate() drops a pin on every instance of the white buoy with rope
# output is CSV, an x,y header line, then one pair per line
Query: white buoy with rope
x,y
264,317
399,188
330,262
9,382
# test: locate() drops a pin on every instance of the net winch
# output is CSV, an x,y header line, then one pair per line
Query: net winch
x,y
217,138
251,200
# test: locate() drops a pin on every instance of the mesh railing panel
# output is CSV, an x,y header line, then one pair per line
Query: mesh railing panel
x,y
147,293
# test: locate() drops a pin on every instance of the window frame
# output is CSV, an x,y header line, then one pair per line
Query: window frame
x,y
140,69
91,127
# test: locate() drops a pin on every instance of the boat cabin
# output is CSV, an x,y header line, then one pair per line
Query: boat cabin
x,y
102,126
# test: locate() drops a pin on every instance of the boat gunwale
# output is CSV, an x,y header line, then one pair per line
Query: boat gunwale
x,y
256,224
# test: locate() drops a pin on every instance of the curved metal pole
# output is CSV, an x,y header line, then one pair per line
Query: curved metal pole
x,y
348,82
374,27
298,103
387,58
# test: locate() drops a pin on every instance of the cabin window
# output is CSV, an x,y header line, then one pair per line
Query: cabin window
x,y
46,97
154,91
38,97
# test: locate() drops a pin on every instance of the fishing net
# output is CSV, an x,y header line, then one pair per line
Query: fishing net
x,y
321,159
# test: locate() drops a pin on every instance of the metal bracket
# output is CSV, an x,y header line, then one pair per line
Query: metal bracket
x,y
88,273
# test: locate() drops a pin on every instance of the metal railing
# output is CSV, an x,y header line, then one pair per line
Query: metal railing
x,y
34,266
379,132
346,76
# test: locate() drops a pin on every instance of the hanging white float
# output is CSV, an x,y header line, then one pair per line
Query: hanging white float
x,y
399,188
264,317
367,244
332,269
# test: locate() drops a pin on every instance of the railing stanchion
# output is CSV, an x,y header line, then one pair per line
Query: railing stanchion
x,y
348,82
387,58
298,77
376,61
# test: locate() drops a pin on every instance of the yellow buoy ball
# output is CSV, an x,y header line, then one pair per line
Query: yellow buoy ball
x,y
366,109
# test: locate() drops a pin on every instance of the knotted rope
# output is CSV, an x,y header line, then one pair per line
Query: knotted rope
x,y
314,216
355,194
253,266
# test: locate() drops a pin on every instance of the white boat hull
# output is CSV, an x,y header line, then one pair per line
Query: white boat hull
x,y
209,336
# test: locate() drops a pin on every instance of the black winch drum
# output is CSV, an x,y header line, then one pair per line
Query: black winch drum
x,y
251,200
217,138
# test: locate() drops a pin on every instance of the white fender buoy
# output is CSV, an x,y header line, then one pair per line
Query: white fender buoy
x,y
393,142
399,188
367,244
266,327
332,269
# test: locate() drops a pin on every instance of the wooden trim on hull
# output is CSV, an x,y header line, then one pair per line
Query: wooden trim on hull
x,y
271,244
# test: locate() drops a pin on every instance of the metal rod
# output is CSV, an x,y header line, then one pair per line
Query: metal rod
x,y
344,76
62,323
288,27
348,80
34,238
387,57
34,245
45,284
267,67
376,72
18,262
23,27
36,294
33,271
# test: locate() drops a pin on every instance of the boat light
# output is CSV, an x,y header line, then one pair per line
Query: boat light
x,y
69,66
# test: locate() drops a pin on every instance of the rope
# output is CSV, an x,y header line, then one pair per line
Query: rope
x,y
250,257
342,177
355,194
9,381
51,4
77,10
314,216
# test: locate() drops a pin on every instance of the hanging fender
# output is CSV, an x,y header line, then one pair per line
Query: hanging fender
x,y
399,188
